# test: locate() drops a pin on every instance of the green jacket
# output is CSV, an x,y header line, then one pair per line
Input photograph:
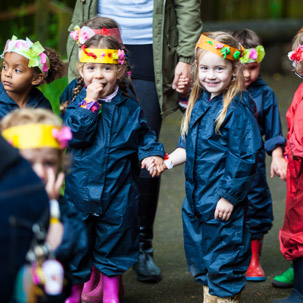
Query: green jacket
x,y
177,26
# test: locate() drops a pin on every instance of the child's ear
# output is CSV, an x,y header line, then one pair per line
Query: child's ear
x,y
37,79
80,70
121,71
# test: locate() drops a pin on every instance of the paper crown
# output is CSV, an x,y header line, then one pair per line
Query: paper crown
x,y
37,136
107,56
34,52
223,50
255,54
81,35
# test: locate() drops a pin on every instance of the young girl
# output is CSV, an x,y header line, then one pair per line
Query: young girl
x,y
291,234
94,26
40,137
220,141
110,136
25,66
260,215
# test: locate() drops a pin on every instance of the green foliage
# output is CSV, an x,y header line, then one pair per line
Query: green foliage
x,y
53,92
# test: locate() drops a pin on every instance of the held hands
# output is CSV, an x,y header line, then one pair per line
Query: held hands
x,y
278,164
182,69
154,165
223,210
53,183
183,86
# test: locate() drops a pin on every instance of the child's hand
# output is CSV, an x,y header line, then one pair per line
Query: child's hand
x,y
154,165
54,235
93,90
54,183
223,210
279,167
183,86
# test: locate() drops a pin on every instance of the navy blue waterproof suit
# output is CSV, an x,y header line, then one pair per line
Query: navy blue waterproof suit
x,y
260,215
35,100
219,165
106,149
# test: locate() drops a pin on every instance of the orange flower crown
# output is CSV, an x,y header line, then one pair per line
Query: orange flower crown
x,y
223,50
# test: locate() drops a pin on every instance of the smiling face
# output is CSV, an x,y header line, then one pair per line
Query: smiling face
x,y
251,73
17,78
104,74
214,72
42,160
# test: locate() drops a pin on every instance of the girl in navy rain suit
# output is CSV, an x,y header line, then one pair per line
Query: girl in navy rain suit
x,y
26,65
260,215
110,136
220,141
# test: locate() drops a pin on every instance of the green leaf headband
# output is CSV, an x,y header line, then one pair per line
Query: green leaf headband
x,y
255,54
34,52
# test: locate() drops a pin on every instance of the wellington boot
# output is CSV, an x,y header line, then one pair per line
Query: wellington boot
x,y
285,280
207,297
255,271
75,296
296,295
110,289
233,299
95,294
91,284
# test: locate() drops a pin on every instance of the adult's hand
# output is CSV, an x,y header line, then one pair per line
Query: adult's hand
x,y
183,69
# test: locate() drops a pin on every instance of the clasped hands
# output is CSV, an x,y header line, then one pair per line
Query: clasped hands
x,y
154,165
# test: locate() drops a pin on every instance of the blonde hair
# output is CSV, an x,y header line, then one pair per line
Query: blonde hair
x,y
296,42
235,86
33,116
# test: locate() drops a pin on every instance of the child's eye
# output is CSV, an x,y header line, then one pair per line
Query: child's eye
x,y
203,68
18,71
107,68
219,68
90,67
4,67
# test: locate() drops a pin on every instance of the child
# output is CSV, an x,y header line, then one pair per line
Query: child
x,y
291,234
94,26
220,141
25,66
41,139
110,135
260,216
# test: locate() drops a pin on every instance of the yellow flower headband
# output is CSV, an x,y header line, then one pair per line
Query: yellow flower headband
x,y
107,56
255,54
223,50
37,136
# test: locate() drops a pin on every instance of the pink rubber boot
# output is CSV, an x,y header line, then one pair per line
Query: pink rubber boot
x,y
75,296
110,289
95,294
91,285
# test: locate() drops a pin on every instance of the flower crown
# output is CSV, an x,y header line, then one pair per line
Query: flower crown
x,y
296,56
218,48
37,136
81,35
107,56
255,54
34,52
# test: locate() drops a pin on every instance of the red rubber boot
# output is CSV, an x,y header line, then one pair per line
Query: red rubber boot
x,y
92,290
110,289
255,271
75,296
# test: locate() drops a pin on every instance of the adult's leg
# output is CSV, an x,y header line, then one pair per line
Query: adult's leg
x,y
146,269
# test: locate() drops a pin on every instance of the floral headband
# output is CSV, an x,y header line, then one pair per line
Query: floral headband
x,y
296,55
37,135
255,54
34,52
107,56
218,48
81,35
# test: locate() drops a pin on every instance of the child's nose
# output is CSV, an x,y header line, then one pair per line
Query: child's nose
x,y
246,73
40,171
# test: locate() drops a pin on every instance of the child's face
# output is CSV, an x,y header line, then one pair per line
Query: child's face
x,y
104,74
42,160
17,78
214,72
251,73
